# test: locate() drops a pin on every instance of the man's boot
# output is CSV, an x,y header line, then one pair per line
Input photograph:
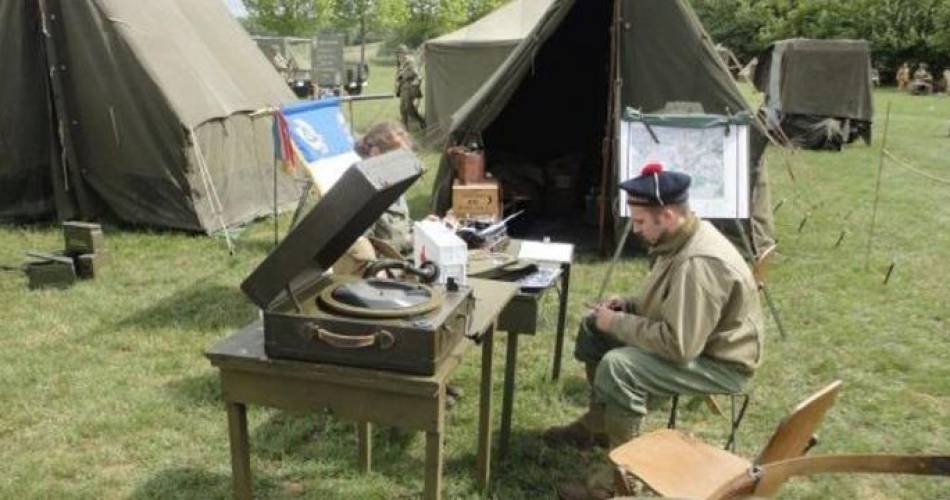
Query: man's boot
x,y
620,426
585,432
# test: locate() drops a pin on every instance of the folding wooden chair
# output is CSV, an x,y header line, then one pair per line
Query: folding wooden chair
x,y
674,464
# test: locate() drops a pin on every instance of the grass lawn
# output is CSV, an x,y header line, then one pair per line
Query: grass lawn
x,y
106,394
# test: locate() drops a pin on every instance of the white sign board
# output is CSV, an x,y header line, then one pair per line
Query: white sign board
x,y
716,158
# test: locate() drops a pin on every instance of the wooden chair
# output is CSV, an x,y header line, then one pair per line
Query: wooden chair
x,y
674,464
765,481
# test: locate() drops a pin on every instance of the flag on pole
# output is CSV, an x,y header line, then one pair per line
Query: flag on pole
x,y
317,133
285,151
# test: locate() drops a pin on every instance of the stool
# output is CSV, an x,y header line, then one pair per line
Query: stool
x,y
734,420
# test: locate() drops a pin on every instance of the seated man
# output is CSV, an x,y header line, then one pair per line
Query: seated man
x,y
394,227
696,327
923,82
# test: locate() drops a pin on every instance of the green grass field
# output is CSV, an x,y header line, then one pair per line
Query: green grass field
x,y
106,394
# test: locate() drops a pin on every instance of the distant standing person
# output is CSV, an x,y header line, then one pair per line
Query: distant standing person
x,y
408,87
281,64
903,76
946,81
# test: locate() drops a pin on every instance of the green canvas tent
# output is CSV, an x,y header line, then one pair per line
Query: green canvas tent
x,y
458,63
818,91
146,114
547,117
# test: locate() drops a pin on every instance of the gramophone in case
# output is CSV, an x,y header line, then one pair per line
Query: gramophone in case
x,y
313,315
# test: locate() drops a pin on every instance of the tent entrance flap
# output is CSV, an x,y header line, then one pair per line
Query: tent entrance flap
x,y
546,146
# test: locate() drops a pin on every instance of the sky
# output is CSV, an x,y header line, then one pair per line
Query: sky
x,y
236,7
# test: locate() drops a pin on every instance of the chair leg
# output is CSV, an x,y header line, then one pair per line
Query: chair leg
x,y
736,419
671,424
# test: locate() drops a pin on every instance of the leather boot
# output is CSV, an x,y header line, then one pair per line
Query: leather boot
x,y
584,433
580,491
620,425
587,431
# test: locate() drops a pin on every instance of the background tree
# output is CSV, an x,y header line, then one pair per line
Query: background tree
x,y
898,30
288,17
478,8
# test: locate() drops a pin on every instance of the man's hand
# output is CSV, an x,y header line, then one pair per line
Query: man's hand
x,y
615,303
603,317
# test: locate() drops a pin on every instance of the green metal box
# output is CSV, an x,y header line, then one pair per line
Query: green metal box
x,y
50,271
83,238
89,265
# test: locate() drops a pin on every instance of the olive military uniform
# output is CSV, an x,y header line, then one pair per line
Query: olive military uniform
x,y
408,89
395,227
695,328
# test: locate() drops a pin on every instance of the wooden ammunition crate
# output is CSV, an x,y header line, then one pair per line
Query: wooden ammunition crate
x,y
477,200
89,265
53,272
83,238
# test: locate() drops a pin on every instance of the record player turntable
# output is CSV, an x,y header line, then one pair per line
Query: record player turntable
x,y
312,315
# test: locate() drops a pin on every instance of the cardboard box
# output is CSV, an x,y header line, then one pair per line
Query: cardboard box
x,y
477,200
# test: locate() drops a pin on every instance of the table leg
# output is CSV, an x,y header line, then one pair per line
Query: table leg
x,y
511,361
240,450
364,431
433,479
561,316
483,468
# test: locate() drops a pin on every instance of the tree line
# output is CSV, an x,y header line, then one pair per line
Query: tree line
x,y
396,21
899,30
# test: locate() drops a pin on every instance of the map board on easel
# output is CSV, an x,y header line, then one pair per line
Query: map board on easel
x,y
712,149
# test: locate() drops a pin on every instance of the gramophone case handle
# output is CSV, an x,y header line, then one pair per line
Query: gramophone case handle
x,y
383,338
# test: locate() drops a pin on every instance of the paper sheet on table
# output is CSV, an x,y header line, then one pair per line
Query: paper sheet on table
x,y
546,252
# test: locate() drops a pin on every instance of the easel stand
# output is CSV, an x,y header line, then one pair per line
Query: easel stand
x,y
773,309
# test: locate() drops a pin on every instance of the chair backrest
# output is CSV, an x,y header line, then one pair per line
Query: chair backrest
x,y
793,434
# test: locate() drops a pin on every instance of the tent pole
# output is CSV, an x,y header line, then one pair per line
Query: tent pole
x,y
60,115
877,190
217,209
616,257
748,243
613,117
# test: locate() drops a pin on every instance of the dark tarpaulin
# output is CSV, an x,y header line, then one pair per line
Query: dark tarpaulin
x,y
25,128
818,77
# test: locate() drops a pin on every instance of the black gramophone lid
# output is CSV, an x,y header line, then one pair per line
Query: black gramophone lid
x,y
345,212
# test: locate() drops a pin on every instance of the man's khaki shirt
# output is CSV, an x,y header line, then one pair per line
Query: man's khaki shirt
x,y
700,299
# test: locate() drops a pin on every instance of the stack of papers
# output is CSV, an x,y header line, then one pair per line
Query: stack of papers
x,y
562,253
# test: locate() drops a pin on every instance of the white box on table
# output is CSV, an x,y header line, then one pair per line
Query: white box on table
x,y
433,241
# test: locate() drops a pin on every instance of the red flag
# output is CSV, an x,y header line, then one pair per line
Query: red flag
x,y
286,151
